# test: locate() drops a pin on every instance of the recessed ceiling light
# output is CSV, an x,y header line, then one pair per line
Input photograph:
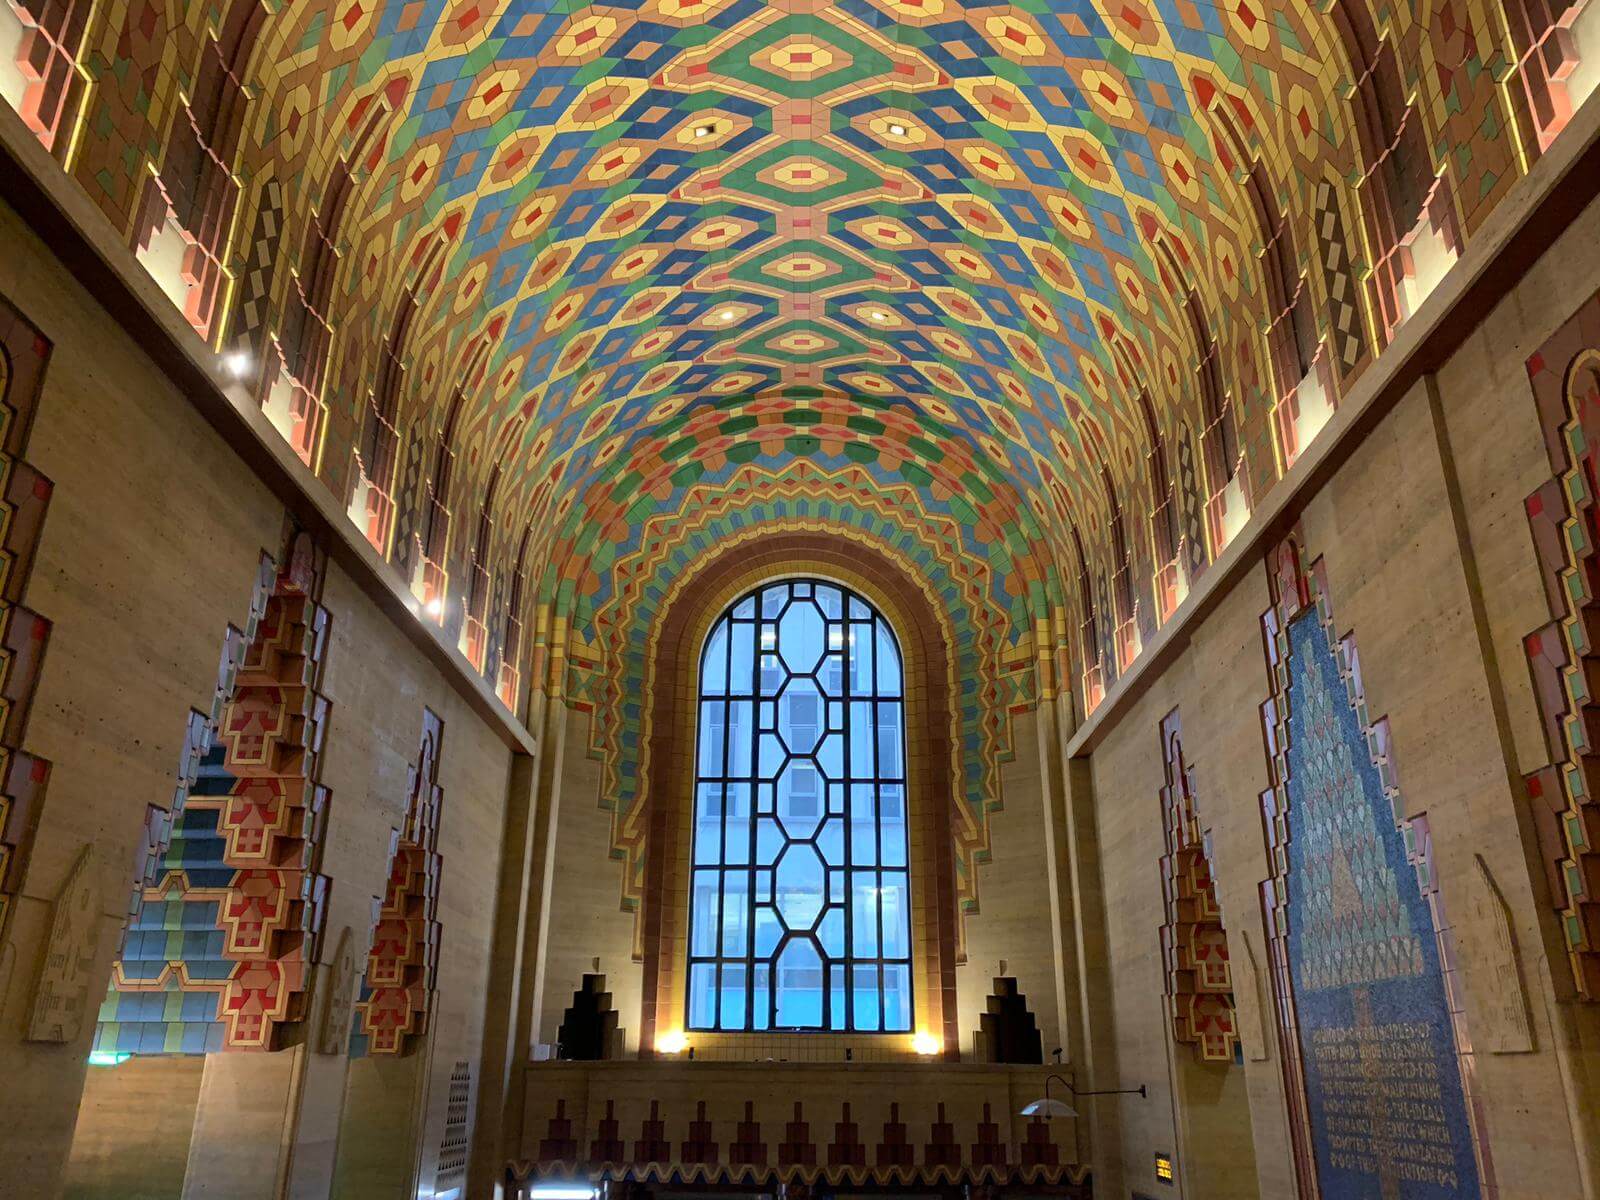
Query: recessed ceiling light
x,y
704,131
878,314
727,314
896,129
236,363
434,608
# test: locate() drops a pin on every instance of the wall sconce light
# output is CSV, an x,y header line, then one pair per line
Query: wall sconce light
x,y
1047,1108
673,1041
925,1044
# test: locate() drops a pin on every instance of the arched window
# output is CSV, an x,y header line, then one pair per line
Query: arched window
x,y
800,897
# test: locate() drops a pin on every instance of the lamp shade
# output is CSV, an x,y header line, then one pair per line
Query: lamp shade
x,y
1049,1108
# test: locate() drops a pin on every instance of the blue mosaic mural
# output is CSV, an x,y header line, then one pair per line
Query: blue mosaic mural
x,y
1385,1102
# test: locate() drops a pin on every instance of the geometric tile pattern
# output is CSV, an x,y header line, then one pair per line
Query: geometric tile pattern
x,y
1363,959
1194,944
219,948
24,497
398,986
1565,378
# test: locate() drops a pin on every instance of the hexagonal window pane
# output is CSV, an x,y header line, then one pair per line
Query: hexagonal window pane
x,y
800,799
800,716
800,887
801,637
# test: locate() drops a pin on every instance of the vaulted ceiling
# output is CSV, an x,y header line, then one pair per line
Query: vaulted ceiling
x,y
643,276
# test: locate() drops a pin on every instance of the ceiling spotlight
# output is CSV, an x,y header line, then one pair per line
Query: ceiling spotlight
x,y
878,314
726,315
897,130
434,607
704,131
236,363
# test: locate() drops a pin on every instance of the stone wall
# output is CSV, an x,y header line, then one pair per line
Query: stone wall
x,y
149,552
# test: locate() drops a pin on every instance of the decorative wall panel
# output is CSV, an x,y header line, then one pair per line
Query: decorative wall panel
x,y
1563,655
772,1125
219,950
1376,1057
1194,946
24,496
397,991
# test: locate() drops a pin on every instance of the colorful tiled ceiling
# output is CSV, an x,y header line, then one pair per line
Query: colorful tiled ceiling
x,y
600,269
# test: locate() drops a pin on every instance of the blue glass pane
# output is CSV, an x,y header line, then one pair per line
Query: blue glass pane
x,y
861,739
892,900
736,850
888,664
708,824
761,999
864,983
713,736
892,823
733,982
831,932
830,756
839,1009
889,740
772,755
746,608
703,942
799,986
702,996
863,824
736,830
741,674
735,913
864,914
897,999
773,600
740,715
768,931
769,840
800,637
800,716
831,676
800,887
860,654
799,799
831,600
830,842
714,663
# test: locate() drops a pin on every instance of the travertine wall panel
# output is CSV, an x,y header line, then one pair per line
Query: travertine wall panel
x,y
112,1159
1013,897
586,916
